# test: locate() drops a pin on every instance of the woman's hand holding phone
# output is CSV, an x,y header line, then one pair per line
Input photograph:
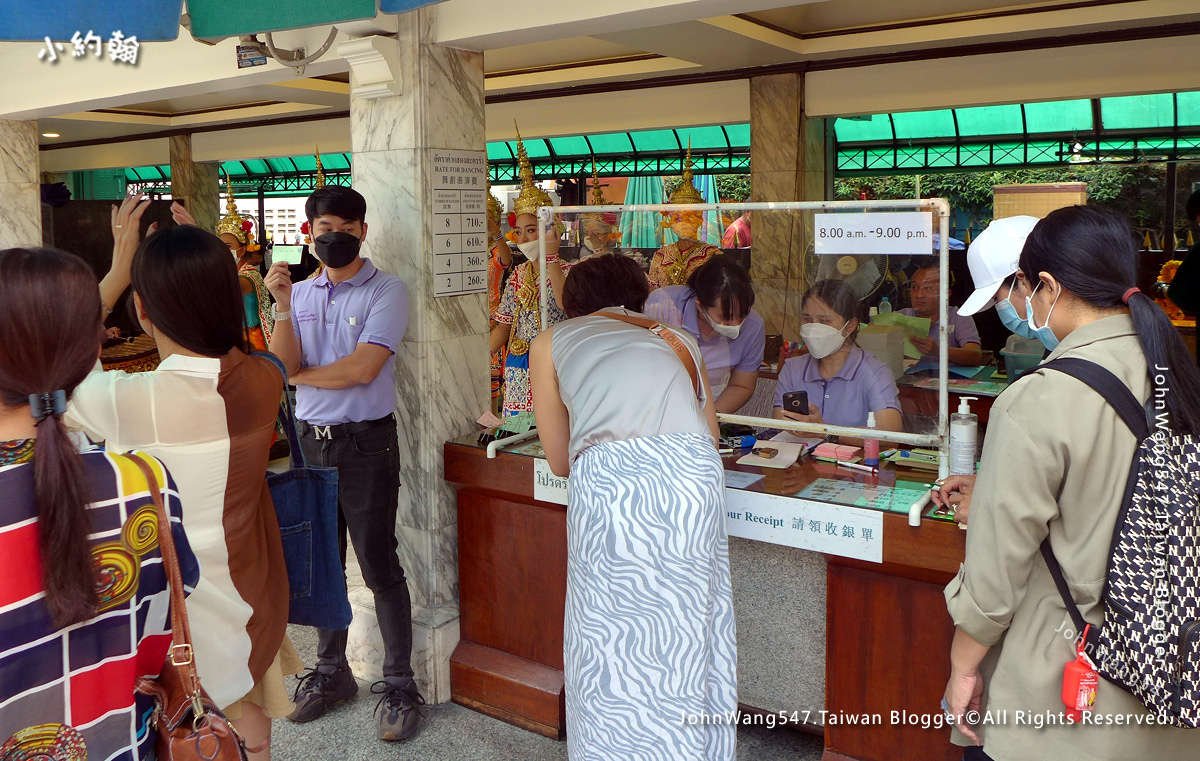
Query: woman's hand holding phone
x,y
813,416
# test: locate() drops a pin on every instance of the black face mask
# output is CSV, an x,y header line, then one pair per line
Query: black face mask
x,y
337,249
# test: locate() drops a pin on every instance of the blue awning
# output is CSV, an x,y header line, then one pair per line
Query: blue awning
x,y
159,20
148,20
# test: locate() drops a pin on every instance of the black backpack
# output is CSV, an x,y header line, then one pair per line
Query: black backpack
x,y
1149,643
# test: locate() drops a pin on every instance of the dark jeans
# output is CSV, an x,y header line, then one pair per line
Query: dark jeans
x,y
975,753
368,466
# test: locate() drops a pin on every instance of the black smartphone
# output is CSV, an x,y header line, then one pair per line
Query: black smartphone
x,y
796,401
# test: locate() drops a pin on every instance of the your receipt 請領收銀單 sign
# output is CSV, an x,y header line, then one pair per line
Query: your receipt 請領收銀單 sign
x,y
899,233
850,532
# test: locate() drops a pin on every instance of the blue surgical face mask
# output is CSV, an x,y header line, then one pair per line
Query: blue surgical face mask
x,y
1008,316
1044,333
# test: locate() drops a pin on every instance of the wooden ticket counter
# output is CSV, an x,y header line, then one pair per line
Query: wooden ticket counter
x,y
830,640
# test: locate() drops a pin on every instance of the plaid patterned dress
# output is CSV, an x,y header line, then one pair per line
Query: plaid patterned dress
x,y
69,693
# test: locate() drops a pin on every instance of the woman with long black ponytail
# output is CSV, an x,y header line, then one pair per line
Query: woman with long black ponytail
x,y
83,596
1055,463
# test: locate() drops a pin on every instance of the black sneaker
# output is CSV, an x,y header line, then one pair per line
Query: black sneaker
x,y
400,709
319,691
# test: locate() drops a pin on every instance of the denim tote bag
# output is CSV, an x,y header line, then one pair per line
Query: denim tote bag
x,y
306,505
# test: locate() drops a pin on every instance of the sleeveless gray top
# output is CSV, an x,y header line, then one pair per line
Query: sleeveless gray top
x,y
620,381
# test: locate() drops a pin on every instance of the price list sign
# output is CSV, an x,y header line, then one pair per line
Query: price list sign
x,y
459,225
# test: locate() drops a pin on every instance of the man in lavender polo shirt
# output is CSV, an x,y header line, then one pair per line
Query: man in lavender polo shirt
x,y
700,308
346,327
964,348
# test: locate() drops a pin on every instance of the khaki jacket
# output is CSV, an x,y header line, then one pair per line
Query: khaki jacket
x,y
1055,461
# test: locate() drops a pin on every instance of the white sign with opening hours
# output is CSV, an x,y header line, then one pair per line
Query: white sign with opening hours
x,y
901,233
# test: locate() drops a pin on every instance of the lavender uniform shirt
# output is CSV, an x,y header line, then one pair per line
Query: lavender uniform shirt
x,y
960,331
331,320
677,305
862,385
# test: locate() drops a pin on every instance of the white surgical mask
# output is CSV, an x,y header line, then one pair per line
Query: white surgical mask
x,y
822,340
529,248
587,243
729,331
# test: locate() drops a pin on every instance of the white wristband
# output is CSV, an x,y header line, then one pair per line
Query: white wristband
x,y
278,316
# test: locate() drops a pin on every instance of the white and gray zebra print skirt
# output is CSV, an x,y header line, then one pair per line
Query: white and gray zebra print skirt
x,y
650,648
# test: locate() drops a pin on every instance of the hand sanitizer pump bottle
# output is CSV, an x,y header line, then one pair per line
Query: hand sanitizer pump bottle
x,y
964,428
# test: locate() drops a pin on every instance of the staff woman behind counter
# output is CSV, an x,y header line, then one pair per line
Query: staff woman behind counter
x,y
714,307
843,382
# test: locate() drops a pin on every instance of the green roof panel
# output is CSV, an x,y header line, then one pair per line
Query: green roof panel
x,y
570,146
855,129
990,120
924,124
1058,116
498,150
739,135
655,140
612,142
703,138
1187,109
1138,111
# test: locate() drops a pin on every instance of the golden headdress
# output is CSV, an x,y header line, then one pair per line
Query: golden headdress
x,y
494,209
609,218
233,223
531,196
686,192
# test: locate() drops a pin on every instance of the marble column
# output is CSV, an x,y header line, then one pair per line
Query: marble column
x,y
196,184
442,379
20,193
787,163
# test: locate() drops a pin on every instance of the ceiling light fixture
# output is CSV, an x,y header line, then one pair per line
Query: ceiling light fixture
x,y
51,134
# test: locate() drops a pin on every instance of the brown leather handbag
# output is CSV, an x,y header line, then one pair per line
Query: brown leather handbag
x,y
190,727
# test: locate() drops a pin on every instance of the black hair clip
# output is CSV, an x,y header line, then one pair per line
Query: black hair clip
x,y
43,405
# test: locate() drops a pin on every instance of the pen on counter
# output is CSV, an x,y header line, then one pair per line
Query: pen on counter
x,y
856,466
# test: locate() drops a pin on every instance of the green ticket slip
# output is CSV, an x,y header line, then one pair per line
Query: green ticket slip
x,y
914,327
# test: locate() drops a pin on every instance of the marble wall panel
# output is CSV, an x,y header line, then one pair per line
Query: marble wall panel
x,y
399,240
20,193
205,196
18,151
776,101
441,369
442,387
20,214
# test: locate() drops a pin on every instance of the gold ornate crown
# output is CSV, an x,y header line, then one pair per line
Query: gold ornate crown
x,y
233,223
609,218
494,210
531,196
320,183
686,192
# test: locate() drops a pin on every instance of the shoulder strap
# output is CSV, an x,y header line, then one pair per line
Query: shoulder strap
x,y
1109,386
663,332
1127,407
181,633
287,416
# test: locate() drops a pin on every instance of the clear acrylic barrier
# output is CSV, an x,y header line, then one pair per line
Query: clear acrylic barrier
x,y
796,245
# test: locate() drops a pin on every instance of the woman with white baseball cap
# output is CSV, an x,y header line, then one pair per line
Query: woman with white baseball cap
x,y
992,259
